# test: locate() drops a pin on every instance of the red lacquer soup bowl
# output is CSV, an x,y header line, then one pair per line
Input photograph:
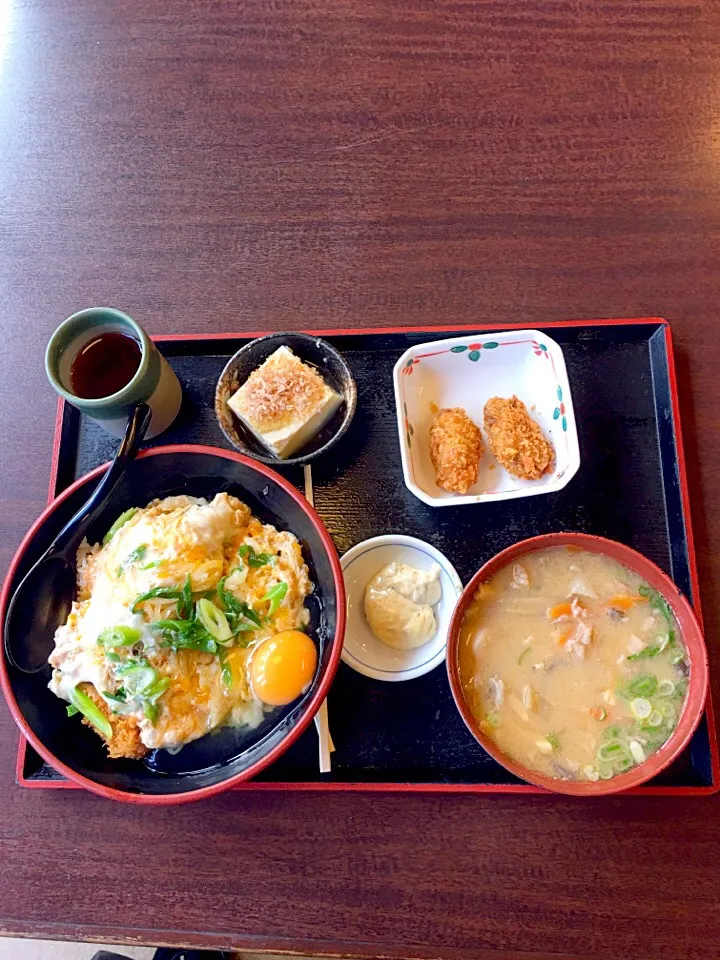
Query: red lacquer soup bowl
x,y
691,635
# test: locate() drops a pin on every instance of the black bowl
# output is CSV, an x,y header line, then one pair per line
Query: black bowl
x,y
311,350
222,758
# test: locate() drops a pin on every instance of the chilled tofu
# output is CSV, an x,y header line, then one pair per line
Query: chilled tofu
x,y
284,403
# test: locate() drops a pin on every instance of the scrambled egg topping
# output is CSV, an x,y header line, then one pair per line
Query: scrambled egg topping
x,y
170,609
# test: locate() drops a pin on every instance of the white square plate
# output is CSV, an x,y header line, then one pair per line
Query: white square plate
x,y
466,372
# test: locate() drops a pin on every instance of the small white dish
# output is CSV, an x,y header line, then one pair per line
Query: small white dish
x,y
465,372
362,650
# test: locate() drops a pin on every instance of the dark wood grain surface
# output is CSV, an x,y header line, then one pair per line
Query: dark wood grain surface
x,y
216,165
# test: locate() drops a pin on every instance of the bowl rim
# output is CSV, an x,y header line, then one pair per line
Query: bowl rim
x,y
697,653
350,400
303,722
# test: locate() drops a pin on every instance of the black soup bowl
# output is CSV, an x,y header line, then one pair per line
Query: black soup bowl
x,y
222,758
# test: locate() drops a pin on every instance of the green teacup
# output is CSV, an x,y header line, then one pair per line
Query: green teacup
x,y
153,381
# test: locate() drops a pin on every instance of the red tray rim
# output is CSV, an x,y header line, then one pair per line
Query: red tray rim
x,y
480,788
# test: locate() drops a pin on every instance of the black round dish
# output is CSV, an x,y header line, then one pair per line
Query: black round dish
x,y
311,350
224,757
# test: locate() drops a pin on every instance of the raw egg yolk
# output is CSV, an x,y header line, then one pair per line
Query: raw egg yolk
x,y
282,667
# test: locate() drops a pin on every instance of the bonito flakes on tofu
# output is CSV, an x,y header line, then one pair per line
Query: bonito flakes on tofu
x,y
284,403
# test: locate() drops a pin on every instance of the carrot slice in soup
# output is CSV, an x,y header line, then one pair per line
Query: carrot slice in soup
x,y
560,610
624,603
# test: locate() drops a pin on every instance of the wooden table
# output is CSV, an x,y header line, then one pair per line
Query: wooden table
x,y
218,165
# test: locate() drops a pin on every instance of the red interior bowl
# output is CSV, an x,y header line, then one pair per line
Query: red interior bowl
x,y
691,635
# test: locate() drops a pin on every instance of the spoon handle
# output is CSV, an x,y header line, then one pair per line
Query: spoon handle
x,y
75,528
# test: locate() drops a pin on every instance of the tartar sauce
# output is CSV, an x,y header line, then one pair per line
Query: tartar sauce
x,y
398,604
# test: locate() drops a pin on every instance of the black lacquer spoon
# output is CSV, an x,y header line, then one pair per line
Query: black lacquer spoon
x,y
44,597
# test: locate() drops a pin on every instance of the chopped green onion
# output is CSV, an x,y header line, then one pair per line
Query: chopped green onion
x,y
493,720
137,554
255,559
157,689
119,636
655,719
612,751
652,649
204,643
668,711
113,657
71,710
151,711
226,670
641,707
657,602
662,642
611,733
666,688
163,593
190,636
90,710
185,600
134,557
553,741
623,764
606,772
522,656
276,595
214,621
120,695
237,611
224,596
247,611
120,522
644,685
175,625
637,752
138,677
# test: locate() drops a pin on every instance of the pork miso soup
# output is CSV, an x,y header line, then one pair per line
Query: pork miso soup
x,y
573,665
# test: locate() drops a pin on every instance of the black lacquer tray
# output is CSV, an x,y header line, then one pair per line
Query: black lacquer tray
x,y
631,486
